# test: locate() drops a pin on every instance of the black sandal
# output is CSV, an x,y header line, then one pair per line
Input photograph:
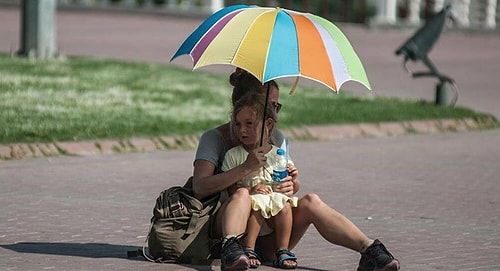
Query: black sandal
x,y
280,261
252,255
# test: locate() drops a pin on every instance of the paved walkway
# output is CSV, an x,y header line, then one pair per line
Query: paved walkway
x,y
433,198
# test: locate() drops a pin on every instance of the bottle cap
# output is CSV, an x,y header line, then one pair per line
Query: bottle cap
x,y
280,152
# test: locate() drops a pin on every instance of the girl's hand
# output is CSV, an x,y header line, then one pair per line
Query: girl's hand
x,y
261,189
255,159
285,186
293,171
290,184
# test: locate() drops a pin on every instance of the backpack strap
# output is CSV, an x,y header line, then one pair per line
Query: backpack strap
x,y
192,223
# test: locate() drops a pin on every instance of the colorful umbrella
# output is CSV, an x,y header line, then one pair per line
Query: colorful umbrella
x,y
273,43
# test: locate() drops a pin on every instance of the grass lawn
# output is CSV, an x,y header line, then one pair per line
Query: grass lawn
x,y
85,98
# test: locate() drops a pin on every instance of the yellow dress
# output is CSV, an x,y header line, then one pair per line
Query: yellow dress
x,y
268,204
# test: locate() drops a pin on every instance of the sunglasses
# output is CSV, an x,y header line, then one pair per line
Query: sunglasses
x,y
277,107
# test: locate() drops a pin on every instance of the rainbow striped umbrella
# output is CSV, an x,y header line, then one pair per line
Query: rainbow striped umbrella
x,y
273,43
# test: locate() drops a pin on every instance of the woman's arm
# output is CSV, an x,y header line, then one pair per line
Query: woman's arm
x,y
205,183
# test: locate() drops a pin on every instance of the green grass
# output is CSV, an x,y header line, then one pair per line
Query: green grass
x,y
84,98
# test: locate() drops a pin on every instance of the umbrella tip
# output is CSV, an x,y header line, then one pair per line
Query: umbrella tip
x,y
294,87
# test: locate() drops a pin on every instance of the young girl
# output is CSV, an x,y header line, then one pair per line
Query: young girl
x,y
271,211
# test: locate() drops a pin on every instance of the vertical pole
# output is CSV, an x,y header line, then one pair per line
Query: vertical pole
x,y
386,12
441,93
38,28
215,5
414,14
489,20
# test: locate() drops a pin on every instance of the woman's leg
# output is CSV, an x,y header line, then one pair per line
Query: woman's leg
x,y
338,230
231,221
232,217
332,225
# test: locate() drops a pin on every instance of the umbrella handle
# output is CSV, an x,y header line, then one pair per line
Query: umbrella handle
x,y
264,120
294,87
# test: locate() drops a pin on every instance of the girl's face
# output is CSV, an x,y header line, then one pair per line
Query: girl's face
x,y
247,127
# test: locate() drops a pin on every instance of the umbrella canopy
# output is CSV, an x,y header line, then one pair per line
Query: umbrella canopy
x,y
273,43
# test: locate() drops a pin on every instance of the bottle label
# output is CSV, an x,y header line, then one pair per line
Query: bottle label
x,y
278,175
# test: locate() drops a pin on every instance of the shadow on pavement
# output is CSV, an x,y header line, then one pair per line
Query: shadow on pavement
x,y
87,250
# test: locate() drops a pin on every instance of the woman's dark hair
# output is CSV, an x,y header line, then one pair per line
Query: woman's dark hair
x,y
256,101
243,82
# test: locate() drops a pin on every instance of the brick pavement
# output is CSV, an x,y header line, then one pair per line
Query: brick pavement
x,y
433,199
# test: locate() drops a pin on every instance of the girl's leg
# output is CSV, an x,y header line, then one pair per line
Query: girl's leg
x,y
332,225
253,228
283,230
283,226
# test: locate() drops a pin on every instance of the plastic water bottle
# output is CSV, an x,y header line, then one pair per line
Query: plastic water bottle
x,y
279,167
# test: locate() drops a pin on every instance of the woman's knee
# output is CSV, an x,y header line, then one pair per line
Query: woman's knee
x,y
241,198
310,201
241,193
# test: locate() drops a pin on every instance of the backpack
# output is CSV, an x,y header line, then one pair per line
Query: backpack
x,y
181,227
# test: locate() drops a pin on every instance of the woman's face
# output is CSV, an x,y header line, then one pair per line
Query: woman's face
x,y
247,127
274,96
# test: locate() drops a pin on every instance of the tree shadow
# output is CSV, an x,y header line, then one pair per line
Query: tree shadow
x,y
87,250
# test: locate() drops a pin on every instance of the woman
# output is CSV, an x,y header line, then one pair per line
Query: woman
x,y
231,219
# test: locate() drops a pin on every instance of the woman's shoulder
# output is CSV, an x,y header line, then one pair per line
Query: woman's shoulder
x,y
213,134
214,140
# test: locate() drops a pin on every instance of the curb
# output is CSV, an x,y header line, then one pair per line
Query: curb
x,y
189,142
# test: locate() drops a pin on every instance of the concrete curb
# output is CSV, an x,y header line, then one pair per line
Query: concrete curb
x,y
311,133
